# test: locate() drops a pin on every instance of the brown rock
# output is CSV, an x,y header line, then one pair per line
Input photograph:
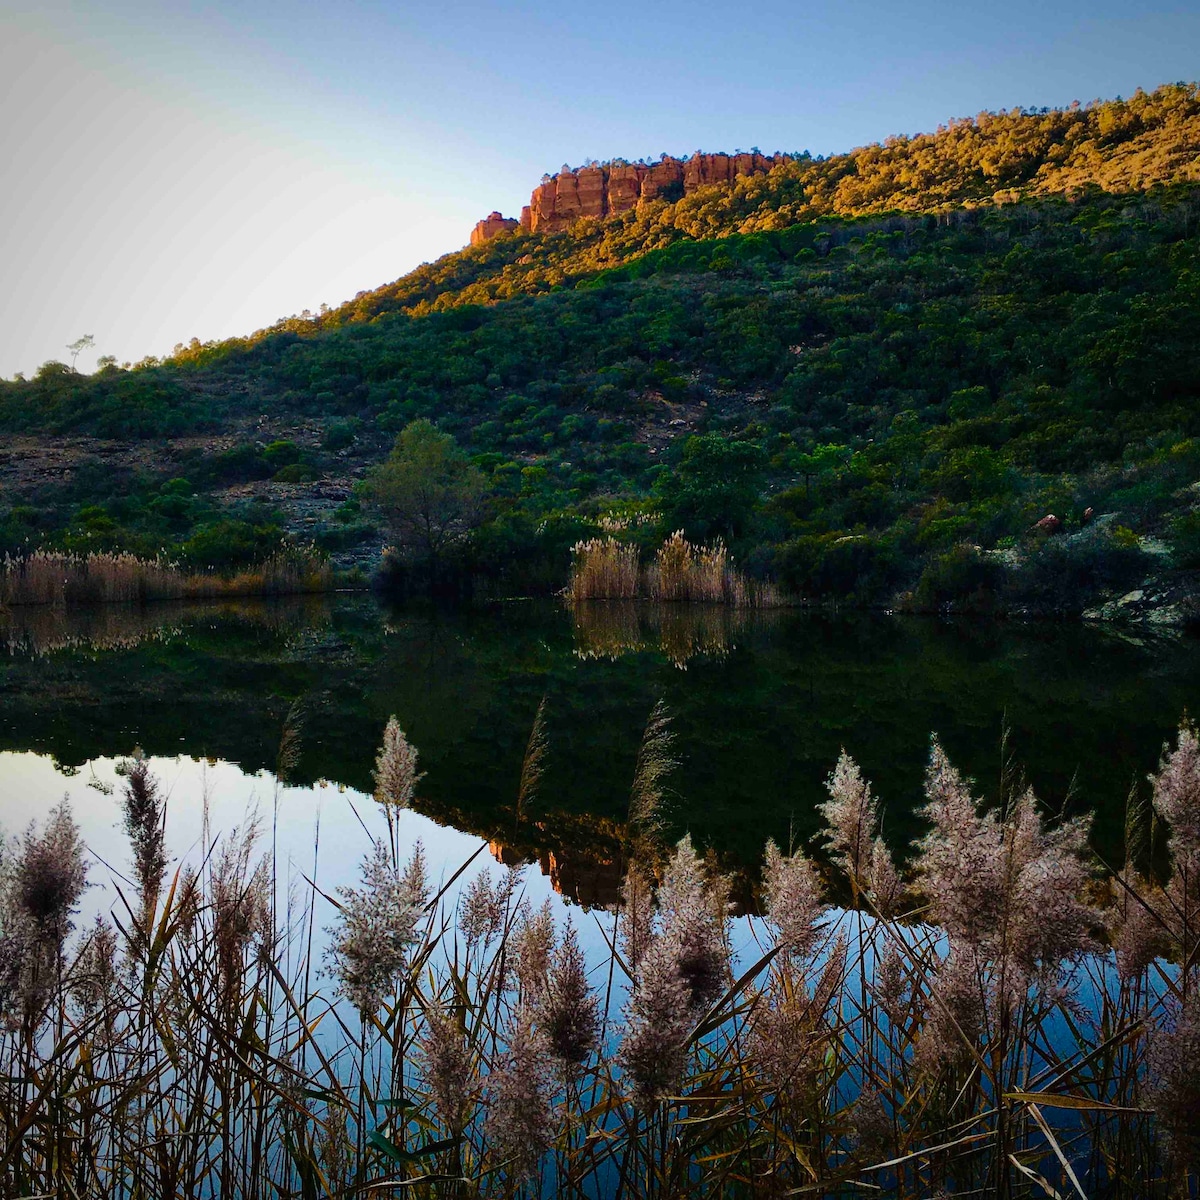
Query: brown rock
x,y
611,188
492,226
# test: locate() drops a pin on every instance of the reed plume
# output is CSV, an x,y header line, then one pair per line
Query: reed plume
x,y
374,930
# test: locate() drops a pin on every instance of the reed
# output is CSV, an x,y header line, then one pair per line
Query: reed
x,y
48,577
603,569
607,569
965,1032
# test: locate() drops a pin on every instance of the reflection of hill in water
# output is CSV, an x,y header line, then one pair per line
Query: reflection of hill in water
x,y
760,714
609,629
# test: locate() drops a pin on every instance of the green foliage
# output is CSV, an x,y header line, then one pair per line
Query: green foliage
x,y
230,543
849,368
429,495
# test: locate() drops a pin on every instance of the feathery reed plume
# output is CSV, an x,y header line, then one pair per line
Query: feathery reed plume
x,y
1176,798
1139,926
1174,1083
241,905
143,812
694,933
94,971
534,763
531,949
872,1129
654,763
789,1031
446,1063
51,874
637,914
479,917
955,1022
519,1118
850,820
374,930
48,878
288,754
653,1054
569,1011
414,882
793,900
1009,889
396,779
886,887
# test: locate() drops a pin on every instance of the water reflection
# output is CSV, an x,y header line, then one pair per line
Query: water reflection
x,y
609,629
35,630
765,705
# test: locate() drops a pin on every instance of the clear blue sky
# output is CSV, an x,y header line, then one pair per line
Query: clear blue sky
x,y
175,170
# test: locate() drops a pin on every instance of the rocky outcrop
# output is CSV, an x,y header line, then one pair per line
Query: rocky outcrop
x,y
605,189
492,226
609,188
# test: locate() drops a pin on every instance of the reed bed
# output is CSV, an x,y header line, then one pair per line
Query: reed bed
x,y
48,577
605,568
981,1025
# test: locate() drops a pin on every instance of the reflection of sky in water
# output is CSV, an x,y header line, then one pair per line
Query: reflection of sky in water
x,y
31,784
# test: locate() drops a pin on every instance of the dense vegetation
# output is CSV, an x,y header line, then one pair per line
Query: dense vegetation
x,y
869,374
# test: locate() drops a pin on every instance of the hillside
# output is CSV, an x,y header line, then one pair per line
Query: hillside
x,y
908,355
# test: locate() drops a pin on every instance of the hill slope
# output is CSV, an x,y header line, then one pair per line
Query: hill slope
x,y
921,348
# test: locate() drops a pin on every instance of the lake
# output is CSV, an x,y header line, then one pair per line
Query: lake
x,y
761,704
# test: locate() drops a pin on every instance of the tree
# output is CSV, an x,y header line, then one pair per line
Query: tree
x,y
714,489
430,495
79,345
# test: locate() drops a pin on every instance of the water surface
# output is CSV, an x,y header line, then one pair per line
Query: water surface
x,y
761,703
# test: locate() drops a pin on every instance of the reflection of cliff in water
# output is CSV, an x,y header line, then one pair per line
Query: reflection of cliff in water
x,y
763,709
609,629
583,865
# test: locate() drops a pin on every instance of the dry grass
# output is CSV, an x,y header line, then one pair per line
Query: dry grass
x,y
63,580
607,569
186,1049
603,569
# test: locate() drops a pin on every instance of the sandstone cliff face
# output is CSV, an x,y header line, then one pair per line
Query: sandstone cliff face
x,y
611,188
493,225
618,187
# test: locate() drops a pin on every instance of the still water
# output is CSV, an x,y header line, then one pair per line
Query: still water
x,y
761,704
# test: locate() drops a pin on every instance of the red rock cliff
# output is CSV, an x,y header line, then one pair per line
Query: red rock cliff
x,y
600,191
609,188
493,225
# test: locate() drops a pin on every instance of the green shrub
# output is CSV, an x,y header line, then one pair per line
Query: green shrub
x,y
1185,540
295,473
962,578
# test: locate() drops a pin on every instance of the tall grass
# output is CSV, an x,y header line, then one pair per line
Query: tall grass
x,y
47,577
963,1030
605,568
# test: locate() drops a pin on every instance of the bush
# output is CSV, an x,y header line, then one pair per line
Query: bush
x,y
230,543
340,435
963,578
1185,540
295,473
857,567
1065,574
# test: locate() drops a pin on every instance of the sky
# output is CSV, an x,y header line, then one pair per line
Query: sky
x,y
178,170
